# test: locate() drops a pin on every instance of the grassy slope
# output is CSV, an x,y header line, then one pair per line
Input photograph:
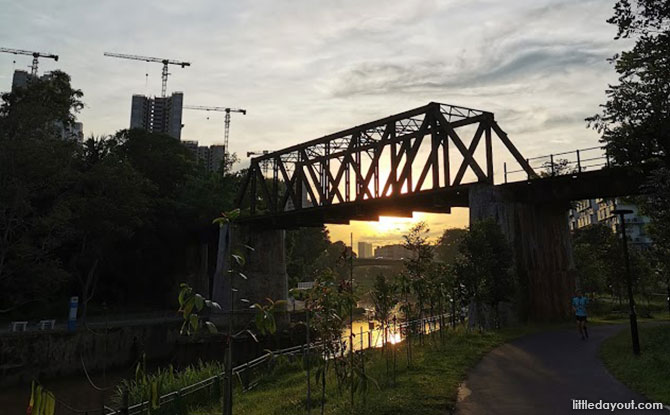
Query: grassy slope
x,y
430,387
647,374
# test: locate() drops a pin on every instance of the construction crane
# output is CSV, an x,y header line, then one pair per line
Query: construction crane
x,y
226,129
265,164
35,55
165,62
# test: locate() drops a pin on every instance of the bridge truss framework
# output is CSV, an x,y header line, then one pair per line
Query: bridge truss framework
x,y
374,165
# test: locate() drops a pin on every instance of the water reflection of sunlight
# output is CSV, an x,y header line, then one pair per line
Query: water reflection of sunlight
x,y
371,334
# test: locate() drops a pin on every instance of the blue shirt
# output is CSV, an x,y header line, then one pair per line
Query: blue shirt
x,y
579,303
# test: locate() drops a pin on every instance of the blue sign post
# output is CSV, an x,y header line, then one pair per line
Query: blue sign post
x,y
72,318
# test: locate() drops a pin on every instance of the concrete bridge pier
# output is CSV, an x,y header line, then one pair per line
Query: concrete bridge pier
x,y
540,237
265,269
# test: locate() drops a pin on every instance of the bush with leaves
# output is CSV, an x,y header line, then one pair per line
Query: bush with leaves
x,y
329,303
484,268
384,296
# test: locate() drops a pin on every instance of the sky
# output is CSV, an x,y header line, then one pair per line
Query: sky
x,y
303,69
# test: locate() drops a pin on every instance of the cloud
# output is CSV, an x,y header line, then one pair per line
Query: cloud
x,y
508,64
303,69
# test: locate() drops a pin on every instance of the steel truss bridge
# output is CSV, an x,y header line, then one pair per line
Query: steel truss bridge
x,y
371,170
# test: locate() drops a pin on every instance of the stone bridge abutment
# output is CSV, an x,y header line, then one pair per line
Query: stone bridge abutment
x,y
540,238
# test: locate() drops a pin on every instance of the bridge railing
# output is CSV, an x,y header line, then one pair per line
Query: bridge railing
x,y
560,164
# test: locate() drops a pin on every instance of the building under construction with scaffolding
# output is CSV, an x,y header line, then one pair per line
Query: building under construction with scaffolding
x,y
158,114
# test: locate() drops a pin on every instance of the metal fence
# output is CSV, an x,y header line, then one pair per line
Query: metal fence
x,y
560,164
251,373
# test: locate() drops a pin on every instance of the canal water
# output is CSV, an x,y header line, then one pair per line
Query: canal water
x,y
370,333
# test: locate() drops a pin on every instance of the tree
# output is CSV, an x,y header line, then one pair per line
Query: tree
x,y
635,120
419,262
42,109
657,206
600,266
303,247
446,249
34,179
183,197
115,216
330,303
484,267
108,204
384,296
158,157
36,174
309,252
558,167
446,286
417,266
599,260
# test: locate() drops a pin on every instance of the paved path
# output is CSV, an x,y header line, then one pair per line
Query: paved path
x,y
541,374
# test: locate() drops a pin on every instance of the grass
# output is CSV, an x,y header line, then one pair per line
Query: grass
x,y
429,387
610,310
167,380
648,373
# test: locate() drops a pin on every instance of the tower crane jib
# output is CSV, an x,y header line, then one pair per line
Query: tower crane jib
x,y
35,55
164,61
226,124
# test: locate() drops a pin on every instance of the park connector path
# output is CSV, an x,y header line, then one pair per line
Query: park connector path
x,y
542,373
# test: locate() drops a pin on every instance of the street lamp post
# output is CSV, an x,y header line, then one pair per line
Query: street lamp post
x,y
629,282
659,276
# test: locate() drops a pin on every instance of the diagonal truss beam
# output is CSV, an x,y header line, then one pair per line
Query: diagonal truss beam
x,y
382,159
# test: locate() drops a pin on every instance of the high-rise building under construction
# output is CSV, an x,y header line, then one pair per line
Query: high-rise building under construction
x,y
158,114
210,157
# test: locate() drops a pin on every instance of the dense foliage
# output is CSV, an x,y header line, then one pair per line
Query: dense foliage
x,y
446,249
384,296
309,252
635,120
484,268
329,304
600,264
116,219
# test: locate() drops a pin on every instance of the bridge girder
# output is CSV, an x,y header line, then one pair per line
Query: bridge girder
x,y
365,171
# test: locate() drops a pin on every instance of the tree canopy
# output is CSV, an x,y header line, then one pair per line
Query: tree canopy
x,y
40,109
635,119
484,265
110,219
446,249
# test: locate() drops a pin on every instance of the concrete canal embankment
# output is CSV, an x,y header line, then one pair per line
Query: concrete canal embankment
x,y
29,355
37,355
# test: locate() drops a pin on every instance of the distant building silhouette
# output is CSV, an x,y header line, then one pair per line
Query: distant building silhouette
x,y
210,157
158,114
395,251
364,250
599,211
20,79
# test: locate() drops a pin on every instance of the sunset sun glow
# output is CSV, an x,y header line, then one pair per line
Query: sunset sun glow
x,y
389,230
